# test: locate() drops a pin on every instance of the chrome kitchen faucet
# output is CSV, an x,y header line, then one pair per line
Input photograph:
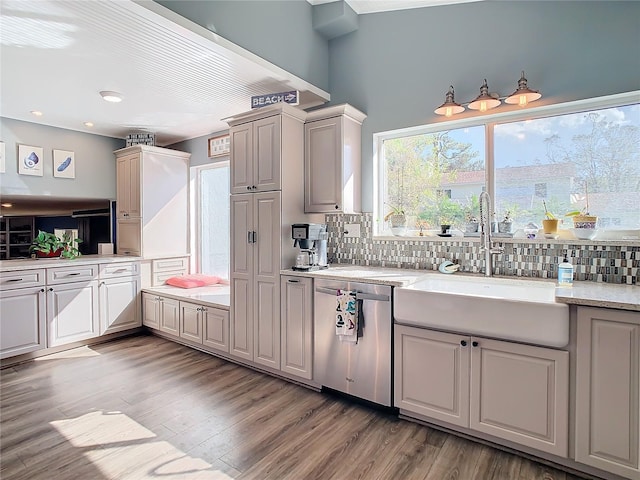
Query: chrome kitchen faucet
x,y
485,234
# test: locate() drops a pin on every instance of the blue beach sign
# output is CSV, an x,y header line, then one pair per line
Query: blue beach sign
x,y
292,98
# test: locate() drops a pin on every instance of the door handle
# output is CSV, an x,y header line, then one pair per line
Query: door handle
x,y
249,236
255,237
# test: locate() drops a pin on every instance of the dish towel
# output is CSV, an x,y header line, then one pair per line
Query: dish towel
x,y
347,316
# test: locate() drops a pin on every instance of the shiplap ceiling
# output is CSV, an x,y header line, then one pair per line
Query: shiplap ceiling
x,y
374,6
178,79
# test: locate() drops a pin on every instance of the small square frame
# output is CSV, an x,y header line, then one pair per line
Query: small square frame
x,y
64,164
219,146
28,165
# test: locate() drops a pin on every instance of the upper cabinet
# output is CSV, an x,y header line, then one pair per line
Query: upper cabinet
x,y
261,160
152,201
332,160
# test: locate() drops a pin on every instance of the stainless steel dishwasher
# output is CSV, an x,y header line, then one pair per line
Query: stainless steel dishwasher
x,y
363,369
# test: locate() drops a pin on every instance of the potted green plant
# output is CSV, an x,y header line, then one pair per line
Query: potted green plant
x,y
47,244
504,226
550,223
397,220
471,222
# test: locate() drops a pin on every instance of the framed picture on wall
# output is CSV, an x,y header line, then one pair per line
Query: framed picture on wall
x,y
30,160
64,164
219,146
2,157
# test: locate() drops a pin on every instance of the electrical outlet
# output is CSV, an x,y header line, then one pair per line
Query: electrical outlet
x,y
352,230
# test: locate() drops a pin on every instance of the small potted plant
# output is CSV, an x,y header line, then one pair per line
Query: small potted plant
x,y
471,223
397,220
504,225
550,223
48,245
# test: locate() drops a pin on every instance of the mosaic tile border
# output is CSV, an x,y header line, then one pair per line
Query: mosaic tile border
x,y
608,263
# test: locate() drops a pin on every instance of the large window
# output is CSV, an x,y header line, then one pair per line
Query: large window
x,y
210,187
583,156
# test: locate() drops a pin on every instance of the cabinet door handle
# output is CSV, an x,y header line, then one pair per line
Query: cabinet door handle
x,y
248,187
463,343
255,237
73,274
51,289
101,284
474,344
42,290
15,280
293,281
203,309
249,236
337,207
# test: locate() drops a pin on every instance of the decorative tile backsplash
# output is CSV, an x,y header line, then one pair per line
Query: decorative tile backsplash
x,y
598,262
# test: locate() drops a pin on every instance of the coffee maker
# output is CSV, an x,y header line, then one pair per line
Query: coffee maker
x,y
311,238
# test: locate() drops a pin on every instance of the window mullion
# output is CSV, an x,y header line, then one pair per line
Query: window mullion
x,y
489,166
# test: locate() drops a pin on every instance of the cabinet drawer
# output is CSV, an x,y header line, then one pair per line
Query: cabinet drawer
x,y
128,269
178,264
25,278
71,274
161,277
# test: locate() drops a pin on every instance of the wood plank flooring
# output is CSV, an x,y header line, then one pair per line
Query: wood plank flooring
x,y
146,408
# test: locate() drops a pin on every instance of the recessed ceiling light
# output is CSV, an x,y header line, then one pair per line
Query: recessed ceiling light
x,y
113,97
37,113
6,205
88,124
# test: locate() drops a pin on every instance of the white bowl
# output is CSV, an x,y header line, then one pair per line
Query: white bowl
x,y
584,233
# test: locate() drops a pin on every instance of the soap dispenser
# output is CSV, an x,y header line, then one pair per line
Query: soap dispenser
x,y
565,273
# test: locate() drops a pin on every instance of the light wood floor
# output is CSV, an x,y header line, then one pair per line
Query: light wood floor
x,y
143,407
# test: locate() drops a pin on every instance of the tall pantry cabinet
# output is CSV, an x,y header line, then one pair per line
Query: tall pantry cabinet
x,y
267,197
152,207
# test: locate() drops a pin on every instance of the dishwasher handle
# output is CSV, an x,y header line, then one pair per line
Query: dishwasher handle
x,y
359,295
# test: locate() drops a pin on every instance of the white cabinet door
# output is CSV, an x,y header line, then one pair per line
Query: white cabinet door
x,y
129,236
191,321
169,316
119,304
266,289
432,374
267,154
521,393
241,138
128,187
216,329
296,327
22,321
72,312
150,310
608,390
242,277
323,165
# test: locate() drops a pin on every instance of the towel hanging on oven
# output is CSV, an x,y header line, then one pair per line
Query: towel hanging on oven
x,y
347,315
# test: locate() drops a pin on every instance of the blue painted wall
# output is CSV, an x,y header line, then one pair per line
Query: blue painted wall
x,y
398,65
276,30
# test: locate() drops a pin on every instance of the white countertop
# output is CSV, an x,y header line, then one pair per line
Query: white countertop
x,y
595,294
34,263
217,296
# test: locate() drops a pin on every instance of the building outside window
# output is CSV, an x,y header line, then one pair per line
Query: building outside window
x,y
564,154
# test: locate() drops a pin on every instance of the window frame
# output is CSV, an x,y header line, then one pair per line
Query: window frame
x,y
489,121
195,230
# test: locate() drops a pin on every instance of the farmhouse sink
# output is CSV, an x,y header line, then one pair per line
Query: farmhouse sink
x,y
519,310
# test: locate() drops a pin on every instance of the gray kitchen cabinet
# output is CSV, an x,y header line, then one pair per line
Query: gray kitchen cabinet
x,y
608,390
161,313
332,179
72,312
152,204
296,328
23,321
255,277
432,374
256,158
191,321
515,392
215,329
119,291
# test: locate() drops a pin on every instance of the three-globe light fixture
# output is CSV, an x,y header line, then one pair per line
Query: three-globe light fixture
x,y
486,101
